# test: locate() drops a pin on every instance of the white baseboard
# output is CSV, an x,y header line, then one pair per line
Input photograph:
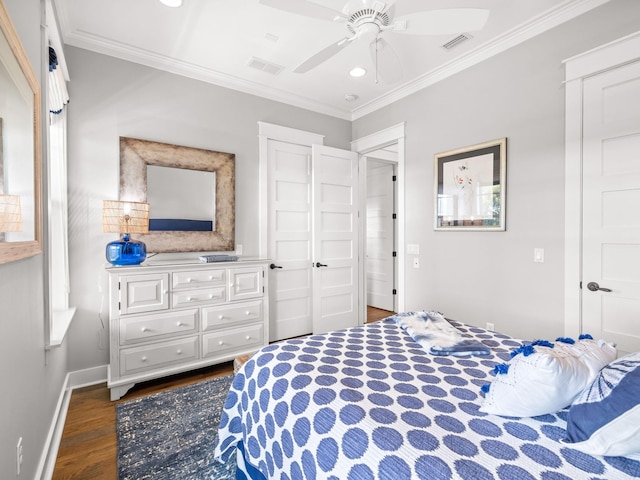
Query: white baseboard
x,y
73,380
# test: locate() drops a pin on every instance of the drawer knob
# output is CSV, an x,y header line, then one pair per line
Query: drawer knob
x,y
210,277
189,299
143,359
221,317
178,352
189,280
248,337
144,329
247,313
220,342
211,295
179,324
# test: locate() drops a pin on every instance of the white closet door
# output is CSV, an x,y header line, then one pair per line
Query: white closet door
x,y
289,239
611,202
380,235
335,238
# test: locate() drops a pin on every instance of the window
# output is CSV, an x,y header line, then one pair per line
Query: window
x,y
57,287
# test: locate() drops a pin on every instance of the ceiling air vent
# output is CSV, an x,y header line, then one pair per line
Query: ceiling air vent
x,y
463,37
264,66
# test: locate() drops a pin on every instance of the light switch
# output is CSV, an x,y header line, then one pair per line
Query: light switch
x,y
538,255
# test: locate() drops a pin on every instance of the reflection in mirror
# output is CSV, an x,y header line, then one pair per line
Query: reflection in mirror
x,y
181,199
17,134
19,143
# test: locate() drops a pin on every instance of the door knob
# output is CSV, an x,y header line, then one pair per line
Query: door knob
x,y
318,264
273,265
594,287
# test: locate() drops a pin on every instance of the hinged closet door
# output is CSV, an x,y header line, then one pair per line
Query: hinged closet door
x,y
335,238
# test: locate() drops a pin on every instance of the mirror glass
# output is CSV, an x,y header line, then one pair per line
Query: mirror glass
x,y
19,142
182,199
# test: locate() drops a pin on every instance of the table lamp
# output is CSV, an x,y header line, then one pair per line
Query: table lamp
x,y
10,214
126,218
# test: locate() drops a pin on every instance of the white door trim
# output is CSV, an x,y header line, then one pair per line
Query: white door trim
x,y
577,68
364,145
266,132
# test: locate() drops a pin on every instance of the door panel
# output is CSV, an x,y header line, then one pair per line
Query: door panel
x,y
289,244
380,236
611,201
335,238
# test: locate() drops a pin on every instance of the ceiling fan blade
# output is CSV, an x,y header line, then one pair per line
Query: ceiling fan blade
x,y
387,64
305,8
323,55
444,22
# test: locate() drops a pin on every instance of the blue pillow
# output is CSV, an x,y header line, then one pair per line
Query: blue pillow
x,y
605,418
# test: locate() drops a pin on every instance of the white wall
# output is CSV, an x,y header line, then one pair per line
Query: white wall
x,y
490,276
31,378
112,98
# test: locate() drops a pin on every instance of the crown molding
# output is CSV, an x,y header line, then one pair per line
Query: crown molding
x,y
565,11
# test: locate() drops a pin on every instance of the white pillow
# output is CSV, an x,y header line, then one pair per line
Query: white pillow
x,y
605,418
542,379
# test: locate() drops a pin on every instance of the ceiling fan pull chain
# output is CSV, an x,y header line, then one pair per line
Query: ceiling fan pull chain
x,y
376,66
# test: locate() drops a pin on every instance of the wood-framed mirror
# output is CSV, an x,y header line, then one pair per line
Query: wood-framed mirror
x,y
214,225
20,148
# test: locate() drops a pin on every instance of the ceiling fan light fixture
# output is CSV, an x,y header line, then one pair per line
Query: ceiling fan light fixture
x,y
357,72
172,3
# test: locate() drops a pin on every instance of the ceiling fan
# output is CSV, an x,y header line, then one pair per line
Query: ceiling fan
x,y
368,20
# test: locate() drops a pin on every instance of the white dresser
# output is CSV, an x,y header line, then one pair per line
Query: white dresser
x,y
170,318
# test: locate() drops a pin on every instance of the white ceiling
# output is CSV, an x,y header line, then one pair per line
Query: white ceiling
x,y
213,41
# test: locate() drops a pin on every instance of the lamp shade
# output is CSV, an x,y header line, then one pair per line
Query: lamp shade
x,y
10,214
126,218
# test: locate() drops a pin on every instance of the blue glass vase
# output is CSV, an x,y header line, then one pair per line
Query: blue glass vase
x,y
126,251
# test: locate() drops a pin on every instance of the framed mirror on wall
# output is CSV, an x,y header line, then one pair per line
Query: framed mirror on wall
x,y
191,193
20,149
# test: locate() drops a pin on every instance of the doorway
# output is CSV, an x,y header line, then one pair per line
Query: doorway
x,y
388,145
380,255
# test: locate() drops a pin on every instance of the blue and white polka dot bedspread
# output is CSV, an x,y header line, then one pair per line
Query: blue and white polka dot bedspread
x,y
370,403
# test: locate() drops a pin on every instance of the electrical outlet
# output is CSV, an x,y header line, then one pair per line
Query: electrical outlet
x,y
490,326
239,249
19,456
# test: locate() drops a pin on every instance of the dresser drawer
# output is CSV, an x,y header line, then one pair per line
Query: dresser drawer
x,y
239,339
151,327
195,279
138,359
198,297
222,316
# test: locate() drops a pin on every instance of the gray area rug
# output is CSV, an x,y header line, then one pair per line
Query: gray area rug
x,y
172,434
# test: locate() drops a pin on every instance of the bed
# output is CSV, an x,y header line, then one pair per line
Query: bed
x,y
370,403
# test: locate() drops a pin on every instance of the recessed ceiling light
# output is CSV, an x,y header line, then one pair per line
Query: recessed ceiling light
x,y
172,3
350,97
357,72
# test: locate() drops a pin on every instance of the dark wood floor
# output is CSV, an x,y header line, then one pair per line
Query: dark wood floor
x,y
88,448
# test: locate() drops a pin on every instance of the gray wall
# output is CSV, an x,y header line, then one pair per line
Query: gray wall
x,y
490,276
31,378
112,98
